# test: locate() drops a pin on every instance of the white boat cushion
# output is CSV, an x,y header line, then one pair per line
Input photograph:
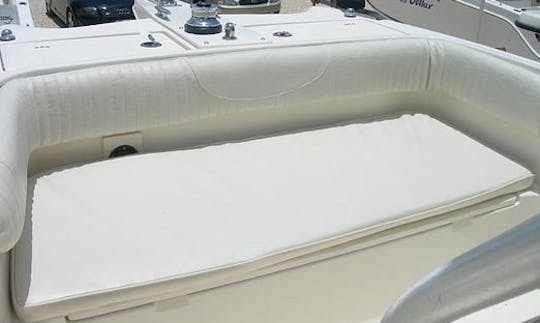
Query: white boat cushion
x,y
130,222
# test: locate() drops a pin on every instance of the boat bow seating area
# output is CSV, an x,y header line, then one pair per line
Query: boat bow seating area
x,y
128,223
117,233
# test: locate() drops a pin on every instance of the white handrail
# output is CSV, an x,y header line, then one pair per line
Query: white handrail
x,y
501,268
482,7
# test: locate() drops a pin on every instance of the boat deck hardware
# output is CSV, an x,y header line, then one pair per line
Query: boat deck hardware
x,y
7,35
123,151
162,12
167,3
203,19
229,31
283,33
153,43
350,13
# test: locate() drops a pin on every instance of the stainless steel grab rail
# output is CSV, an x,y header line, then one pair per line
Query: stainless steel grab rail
x,y
501,268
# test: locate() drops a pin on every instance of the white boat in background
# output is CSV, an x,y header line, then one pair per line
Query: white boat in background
x,y
14,12
504,25
294,168
521,3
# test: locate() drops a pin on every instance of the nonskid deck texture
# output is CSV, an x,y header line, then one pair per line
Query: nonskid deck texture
x,y
190,218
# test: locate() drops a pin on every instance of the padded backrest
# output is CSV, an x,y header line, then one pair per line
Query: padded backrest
x,y
129,97
57,108
63,107
16,137
505,86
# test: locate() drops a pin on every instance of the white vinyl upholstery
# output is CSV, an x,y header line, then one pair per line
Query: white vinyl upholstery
x,y
129,222
331,82
62,107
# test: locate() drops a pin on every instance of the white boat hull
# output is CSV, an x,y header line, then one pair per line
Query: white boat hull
x,y
461,18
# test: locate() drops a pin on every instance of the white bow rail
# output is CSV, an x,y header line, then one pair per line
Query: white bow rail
x,y
501,268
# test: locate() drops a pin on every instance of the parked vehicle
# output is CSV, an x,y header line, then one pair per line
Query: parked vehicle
x,y
89,12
